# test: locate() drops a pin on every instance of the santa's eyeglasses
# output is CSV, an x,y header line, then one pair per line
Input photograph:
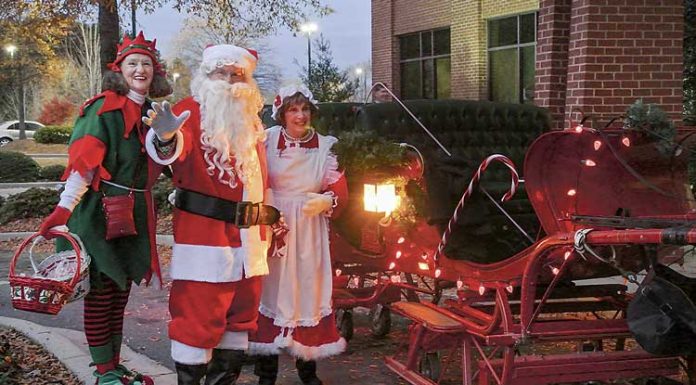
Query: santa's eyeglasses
x,y
232,73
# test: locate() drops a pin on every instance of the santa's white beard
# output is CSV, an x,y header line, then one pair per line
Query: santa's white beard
x,y
230,128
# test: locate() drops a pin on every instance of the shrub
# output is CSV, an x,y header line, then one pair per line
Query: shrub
x,y
33,203
57,111
160,193
17,167
52,172
53,135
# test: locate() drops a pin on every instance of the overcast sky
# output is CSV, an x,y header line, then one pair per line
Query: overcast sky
x,y
348,30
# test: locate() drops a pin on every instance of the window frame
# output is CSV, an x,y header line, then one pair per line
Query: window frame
x,y
422,59
518,48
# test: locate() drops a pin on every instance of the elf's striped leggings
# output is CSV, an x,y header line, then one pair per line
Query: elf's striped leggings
x,y
103,317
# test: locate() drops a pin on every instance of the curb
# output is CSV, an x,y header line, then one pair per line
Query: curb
x,y
70,347
162,239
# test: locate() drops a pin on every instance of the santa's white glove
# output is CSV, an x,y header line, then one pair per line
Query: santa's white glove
x,y
163,121
317,204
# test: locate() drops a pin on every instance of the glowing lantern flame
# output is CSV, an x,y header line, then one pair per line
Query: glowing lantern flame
x,y
571,192
392,265
482,290
626,141
597,145
438,272
401,240
380,198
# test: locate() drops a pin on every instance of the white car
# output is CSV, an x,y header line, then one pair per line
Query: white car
x,y
9,130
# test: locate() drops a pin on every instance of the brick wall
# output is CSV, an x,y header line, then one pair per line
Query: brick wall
x,y
383,51
623,50
391,18
468,65
413,16
553,33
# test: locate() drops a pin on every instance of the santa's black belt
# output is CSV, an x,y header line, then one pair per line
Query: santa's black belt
x,y
242,214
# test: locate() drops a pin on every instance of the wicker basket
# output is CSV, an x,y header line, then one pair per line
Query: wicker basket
x,y
60,278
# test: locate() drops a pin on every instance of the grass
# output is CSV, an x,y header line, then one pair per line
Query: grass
x,y
28,146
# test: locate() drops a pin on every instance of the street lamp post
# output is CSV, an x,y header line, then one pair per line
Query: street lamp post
x,y
359,71
175,77
11,49
309,28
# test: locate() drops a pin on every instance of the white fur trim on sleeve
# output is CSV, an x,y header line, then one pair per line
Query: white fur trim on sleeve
x,y
152,151
75,187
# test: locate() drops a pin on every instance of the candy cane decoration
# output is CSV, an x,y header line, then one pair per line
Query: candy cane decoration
x,y
469,190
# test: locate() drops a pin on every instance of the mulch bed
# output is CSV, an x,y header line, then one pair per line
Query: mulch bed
x,y
25,362
164,226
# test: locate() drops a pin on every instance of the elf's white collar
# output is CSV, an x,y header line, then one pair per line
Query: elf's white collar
x,y
136,97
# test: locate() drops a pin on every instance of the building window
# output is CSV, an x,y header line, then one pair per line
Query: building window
x,y
511,56
425,65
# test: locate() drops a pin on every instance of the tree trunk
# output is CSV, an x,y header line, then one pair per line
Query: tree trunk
x,y
108,31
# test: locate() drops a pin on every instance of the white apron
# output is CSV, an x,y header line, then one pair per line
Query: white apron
x,y
297,290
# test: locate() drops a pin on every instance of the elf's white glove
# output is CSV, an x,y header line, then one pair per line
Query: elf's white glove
x,y
317,204
163,121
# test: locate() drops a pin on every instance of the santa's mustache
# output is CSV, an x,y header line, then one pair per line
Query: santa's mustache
x,y
235,91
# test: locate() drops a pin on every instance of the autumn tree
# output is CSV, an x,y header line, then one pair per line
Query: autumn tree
x,y
247,18
35,29
326,81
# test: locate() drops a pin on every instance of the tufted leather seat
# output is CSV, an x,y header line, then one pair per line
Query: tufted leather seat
x,y
471,131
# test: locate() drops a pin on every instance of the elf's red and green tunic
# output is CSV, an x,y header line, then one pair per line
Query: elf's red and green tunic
x,y
107,138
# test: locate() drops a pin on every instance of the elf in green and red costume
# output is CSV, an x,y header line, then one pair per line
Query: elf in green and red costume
x,y
107,158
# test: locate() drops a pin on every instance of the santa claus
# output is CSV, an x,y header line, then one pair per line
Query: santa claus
x,y
214,143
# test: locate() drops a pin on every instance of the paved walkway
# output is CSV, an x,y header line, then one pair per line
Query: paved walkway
x,y
147,347
70,347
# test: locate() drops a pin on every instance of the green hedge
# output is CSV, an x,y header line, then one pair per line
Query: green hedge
x,y
52,173
53,135
32,203
18,167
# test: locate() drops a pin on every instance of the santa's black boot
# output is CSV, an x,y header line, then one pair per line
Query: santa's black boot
x,y
225,366
307,370
266,368
190,374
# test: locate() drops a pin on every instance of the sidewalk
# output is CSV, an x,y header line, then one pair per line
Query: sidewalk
x,y
70,347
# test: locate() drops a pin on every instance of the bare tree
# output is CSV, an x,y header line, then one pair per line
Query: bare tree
x,y
83,54
196,34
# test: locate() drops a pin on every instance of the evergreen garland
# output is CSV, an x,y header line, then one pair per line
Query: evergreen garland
x,y
361,152
651,120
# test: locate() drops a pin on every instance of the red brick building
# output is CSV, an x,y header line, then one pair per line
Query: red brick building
x,y
596,55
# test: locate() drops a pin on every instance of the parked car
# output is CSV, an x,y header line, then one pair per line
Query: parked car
x,y
9,130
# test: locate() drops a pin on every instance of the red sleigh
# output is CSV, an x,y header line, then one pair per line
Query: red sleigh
x,y
608,202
